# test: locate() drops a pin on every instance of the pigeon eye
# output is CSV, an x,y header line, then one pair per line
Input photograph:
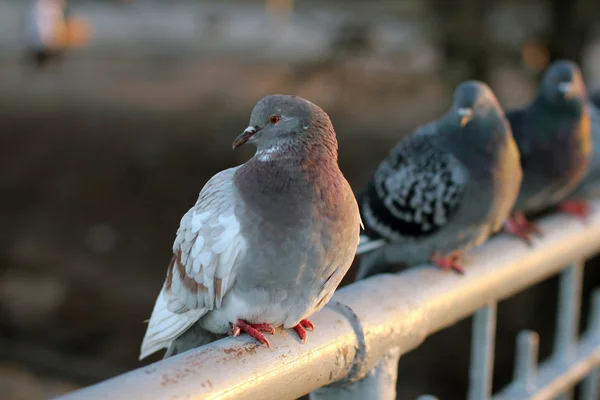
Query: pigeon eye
x,y
274,119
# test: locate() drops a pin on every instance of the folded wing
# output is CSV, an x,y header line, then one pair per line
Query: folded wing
x,y
416,190
202,270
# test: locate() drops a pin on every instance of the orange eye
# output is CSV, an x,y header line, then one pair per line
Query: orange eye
x,y
274,119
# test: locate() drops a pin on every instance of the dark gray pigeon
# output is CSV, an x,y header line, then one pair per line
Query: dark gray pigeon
x,y
577,202
267,242
443,189
595,99
553,136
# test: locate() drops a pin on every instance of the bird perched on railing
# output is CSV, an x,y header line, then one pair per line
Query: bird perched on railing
x,y
553,136
50,31
595,99
443,189
577,202
267,242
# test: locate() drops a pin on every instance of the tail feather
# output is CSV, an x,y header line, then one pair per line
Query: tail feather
x,y
165,326
366,244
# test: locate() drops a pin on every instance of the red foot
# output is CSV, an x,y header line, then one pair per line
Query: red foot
x,y
450,262
518,225
578,208
301,331
253,330
264,328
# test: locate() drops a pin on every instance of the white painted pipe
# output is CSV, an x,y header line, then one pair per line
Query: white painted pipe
x,y
360,325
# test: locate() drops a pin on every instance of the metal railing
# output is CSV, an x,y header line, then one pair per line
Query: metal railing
x,y
367,326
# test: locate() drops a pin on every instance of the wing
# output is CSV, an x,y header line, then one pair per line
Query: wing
x,y
202,270
519,126
416,190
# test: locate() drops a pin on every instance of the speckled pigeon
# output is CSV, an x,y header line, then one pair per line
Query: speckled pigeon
x,y
577,201
553,136
267,242
443,189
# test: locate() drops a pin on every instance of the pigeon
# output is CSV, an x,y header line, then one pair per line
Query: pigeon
x,y
443,189
267,242
577,202
553,136
595,99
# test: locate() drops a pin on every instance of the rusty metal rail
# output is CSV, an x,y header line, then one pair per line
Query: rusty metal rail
x,y
362,332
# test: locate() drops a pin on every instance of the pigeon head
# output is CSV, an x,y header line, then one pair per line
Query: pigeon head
x,y
280,122
473,100
563,84
474,124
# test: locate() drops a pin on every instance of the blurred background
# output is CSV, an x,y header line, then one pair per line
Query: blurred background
x,y
116,114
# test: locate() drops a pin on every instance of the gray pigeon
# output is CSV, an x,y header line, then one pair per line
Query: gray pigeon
x,y
267,242
595,99
577,203
553,136
443,189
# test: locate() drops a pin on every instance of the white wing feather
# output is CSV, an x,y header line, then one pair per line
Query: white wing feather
x,y
206,248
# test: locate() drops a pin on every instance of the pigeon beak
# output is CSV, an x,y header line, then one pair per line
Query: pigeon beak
x,y
245,136
465,115
566,88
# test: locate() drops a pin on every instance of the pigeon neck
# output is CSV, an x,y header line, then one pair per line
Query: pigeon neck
x,y
305,147
281,188
573,107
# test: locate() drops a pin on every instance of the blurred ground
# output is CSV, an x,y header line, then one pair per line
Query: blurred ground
x,y
103,152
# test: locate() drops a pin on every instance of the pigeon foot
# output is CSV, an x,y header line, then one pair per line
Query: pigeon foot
x,y
264,328
253,330
578,208
301,329
449,262
519,226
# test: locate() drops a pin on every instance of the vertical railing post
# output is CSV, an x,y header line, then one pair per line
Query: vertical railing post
x,y
483,338
590,387
379,384
526,358
567,321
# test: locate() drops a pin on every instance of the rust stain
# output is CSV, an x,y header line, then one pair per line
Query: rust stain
x,y
167,380
194,363
237,352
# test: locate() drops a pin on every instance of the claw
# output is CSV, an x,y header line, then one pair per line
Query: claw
x,y
450,262
519,226
307,324
243,326
301,332
264,328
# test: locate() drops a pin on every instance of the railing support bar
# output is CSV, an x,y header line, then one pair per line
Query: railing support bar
x,y
482,353
526,360
567,322
590,387
379,384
